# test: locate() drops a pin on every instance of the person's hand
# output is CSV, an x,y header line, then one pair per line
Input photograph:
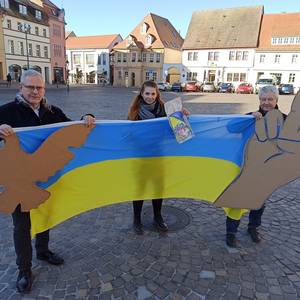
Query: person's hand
x,y
6,130
89,120
272,160
257,115
185,111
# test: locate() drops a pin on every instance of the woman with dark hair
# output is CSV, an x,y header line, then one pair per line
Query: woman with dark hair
x,y
148,105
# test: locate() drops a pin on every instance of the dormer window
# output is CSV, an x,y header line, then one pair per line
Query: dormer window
x,y
4,3
149,39
22,9
38,14
144,28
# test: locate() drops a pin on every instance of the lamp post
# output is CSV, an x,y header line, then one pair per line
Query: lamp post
x,y
67,75
26,29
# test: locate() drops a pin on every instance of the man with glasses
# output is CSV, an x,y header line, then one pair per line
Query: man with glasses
x,y
31,108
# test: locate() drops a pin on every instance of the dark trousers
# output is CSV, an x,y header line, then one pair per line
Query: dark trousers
x,y
22,239
138,205
254,221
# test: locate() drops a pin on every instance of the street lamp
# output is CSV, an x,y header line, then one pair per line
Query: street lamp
x,y
26,29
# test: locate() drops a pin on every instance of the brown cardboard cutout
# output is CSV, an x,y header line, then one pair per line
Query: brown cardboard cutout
x,y
272,160
20,171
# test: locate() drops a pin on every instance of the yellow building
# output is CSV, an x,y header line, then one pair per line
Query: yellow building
x,y
152,51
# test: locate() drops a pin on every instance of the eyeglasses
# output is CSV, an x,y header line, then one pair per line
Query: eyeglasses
x,y
32,87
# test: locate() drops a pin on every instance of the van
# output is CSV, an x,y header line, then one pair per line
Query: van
x,y
265,80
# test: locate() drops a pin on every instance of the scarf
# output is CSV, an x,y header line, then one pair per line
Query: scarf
x,y
150,111
21,100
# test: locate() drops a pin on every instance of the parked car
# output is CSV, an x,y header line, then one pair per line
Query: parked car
x,y
245,88
226,87
176,87
208,87
286,89
164,86
192,86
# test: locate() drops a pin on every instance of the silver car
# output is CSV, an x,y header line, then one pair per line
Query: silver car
x,y
164,86
208,87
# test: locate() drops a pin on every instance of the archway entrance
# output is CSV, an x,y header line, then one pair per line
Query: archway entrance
x,y
173,75
15,71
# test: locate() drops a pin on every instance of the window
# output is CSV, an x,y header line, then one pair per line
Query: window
x,y
216,56
229,77
292,77
277,59
144,28
38,14
56,30
133,56
210,56
36,30
191,76
147,75
262,58
154,76
11,46
151,57
99,59
231,55
22,9
190,55
236,76
279,40
44,32
119,74
245,55
104,59
4,3
46,51
126,74
157,57
20,27
21,47
149,40
89,59
30,53
77,59
286,40
195,56
8,24
294,58
274,41
243,77
144,57
119,57
38,50
124,57
238,55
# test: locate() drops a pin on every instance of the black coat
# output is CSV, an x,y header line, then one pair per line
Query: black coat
x,y
20,115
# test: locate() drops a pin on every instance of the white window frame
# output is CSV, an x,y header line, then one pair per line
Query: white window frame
x,y
22,9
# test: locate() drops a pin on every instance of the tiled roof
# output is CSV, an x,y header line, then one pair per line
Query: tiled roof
x,y
90,42
224,28
162,31
279,25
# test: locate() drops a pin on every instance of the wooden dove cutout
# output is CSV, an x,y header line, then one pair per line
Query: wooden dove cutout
x,y
272,160
20,170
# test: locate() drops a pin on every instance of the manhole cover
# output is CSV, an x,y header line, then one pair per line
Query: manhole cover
x,y
176,218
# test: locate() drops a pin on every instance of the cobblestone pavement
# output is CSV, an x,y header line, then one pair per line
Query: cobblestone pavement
x,y
104,259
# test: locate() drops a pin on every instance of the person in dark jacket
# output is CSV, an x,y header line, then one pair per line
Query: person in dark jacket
x,y
30,108
148,105
268,99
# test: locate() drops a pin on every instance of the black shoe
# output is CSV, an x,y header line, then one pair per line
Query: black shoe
x,y
138,227
231,240
50,257
24,281
254,234
159,223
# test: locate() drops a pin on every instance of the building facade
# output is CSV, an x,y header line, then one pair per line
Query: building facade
x,y
26,38
89,58
150,52
56,22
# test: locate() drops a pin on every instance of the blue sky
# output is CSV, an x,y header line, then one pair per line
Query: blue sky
x,y
97,17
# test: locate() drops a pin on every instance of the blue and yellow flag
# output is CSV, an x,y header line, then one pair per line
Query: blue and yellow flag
x,y
124,160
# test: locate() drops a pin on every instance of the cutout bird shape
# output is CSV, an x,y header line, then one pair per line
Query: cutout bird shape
x,y
20,171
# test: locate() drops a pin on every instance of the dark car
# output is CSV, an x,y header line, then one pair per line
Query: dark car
x,y
176,87
286,89
226,87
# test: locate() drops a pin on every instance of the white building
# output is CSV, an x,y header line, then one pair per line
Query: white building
x,y
26,38
89,58
220,45
278,52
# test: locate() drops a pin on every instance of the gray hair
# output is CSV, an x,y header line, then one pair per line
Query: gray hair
x,y
30,73
268,89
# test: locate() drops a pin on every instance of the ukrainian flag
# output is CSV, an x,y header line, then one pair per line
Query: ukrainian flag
x,y
124,160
